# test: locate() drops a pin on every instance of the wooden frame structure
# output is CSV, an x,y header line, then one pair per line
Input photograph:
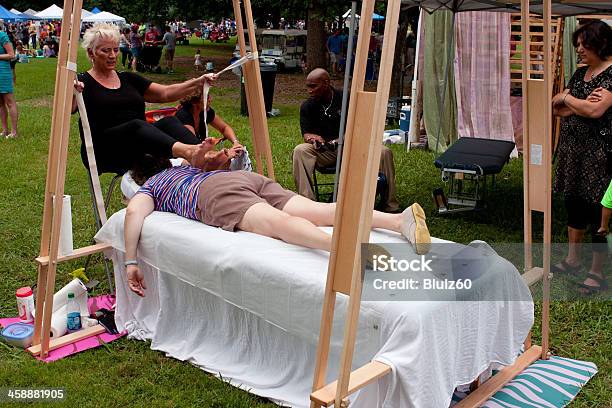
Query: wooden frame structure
x,y
353,220
254,91
536,52
355,202
58,152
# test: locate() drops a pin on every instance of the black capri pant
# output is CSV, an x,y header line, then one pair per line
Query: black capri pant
x,y
119,147
581,214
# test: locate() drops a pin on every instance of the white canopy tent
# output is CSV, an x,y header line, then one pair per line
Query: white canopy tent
x,y
104,16
85,13
52,12
30,11
15,11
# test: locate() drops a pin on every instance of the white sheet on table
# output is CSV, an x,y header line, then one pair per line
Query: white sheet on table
x,y
433,346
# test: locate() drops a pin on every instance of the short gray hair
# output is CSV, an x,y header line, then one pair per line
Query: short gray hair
x,y
100,31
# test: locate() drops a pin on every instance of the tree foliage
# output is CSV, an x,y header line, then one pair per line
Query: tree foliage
x,y
146,10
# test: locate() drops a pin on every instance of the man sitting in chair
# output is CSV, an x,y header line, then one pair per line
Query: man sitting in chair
x,y
320,124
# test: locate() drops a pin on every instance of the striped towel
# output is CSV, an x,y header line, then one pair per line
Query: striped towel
x,y
552,383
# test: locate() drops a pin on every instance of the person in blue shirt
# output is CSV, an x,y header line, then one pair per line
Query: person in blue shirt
x,y
334,48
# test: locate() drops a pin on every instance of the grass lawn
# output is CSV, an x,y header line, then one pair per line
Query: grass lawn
x,y
127,373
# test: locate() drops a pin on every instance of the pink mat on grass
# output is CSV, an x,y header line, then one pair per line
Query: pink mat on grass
x,y
94,303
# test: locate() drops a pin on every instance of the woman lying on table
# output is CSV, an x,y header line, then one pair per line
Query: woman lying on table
x,y
245,201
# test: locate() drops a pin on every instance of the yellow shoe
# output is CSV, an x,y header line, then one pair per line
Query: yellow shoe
x,y
415,230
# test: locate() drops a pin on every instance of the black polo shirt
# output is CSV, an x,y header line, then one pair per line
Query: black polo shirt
x,y
320,118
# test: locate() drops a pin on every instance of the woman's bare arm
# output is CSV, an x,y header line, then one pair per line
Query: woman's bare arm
x,y
140,206
589,108
225,129
169,93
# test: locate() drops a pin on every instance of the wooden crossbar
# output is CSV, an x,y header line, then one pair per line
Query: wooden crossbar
x,y
77,253
533,276
536,40
495,383
68,339
358,379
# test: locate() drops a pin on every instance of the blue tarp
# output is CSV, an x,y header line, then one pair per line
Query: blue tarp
x,y
6,15
96,10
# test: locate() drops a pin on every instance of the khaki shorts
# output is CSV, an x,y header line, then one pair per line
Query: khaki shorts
x,y
225,197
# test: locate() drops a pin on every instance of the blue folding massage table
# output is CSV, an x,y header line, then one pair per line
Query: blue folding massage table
x,y
465,166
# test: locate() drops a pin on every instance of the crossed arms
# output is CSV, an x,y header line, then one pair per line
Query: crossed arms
x,y
594,106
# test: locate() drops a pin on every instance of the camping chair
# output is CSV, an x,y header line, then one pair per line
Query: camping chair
x,y
99,218
382,187
99,205
319,196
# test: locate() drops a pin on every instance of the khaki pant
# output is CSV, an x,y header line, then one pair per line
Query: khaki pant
x,y
306,157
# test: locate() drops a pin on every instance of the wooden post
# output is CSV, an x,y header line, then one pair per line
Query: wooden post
x,y
537,158
254,92
56,175
353,219
50,184
547,157
417,90
56,171
526,56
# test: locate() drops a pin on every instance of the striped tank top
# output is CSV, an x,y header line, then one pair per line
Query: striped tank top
x,y
176,190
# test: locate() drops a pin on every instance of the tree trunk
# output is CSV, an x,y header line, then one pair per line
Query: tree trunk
x,y
400,48
316,55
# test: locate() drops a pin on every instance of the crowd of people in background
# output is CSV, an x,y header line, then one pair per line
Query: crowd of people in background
x,y
40,39
34,39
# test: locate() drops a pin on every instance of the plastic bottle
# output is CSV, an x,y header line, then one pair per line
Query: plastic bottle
x,y
25,304
73,314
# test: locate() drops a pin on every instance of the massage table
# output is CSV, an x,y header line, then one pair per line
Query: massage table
x,y
247,308
465,166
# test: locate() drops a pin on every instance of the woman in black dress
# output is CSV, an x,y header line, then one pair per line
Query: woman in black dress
x,y
584,165
115,103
